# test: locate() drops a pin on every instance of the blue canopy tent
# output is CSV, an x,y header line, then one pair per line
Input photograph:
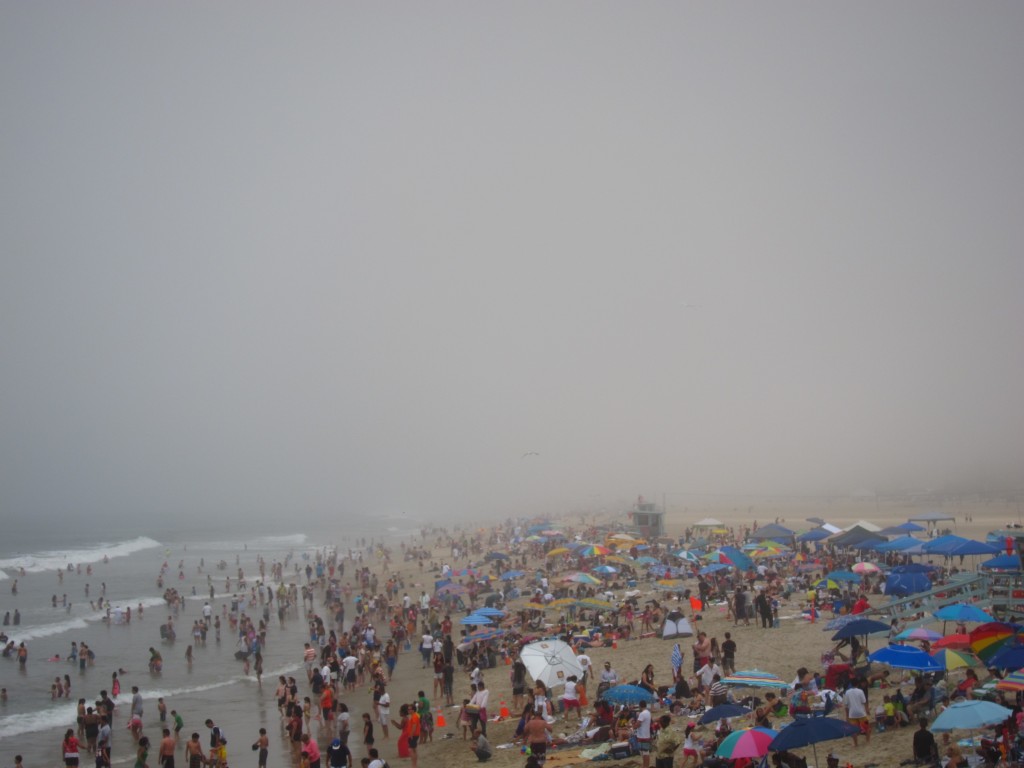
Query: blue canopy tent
x,y
815,534
971,547
772,531
898,545
943,545
1003,563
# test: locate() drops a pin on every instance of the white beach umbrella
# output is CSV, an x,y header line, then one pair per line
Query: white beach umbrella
x,y
550,661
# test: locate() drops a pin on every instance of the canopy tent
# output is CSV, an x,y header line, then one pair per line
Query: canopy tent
x,y
931,518
708,522
943,545
866,525
856,535
902,544
815,534
1003,563
771,531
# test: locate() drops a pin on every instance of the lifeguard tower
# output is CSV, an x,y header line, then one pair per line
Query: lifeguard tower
x,y
649,520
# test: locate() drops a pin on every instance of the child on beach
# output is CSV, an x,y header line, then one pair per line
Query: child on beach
x,y
367,730
464,718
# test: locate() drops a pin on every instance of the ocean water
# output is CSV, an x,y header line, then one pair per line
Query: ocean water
x,y
32,723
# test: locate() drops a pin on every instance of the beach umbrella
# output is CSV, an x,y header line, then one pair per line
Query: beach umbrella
x,y
488,611
486,633
582,578
953,659
753,678
669,584
858,627
606,569
806,731
1012,682
452,589
966,715
828,584
962,612
865,568
849,576
558,551
905,657
496,556
475,620
647,560
723,711
841,621
627,694
688,555
958,642
594,550
1010,656
718,556
620,559
553,532
988,638
595,602
752,742
919,633
713,568
550,661
562,602
472,573
510,575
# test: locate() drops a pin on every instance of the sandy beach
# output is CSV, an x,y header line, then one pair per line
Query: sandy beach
x,y
242,706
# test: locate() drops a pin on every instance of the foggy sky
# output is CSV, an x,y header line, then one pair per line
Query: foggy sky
x,y
357,258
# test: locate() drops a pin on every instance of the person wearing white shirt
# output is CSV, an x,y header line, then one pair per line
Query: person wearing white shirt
x,y
609,675
426,648
642,724
570,699
479,700
707,674
584,662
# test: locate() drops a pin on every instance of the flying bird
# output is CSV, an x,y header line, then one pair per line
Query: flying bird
x,y
530,453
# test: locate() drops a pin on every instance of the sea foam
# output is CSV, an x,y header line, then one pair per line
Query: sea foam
x,y
53,560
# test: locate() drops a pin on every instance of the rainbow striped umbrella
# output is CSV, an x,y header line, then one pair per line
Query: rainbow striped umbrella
x,y
1012,682
754,678
594,550
987,639
953,659
752,742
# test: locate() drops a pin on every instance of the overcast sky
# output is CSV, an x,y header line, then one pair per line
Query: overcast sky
x,y
361,257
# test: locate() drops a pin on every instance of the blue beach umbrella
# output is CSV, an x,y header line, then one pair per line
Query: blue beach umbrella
x,y
962,612
509,575
723,711
627,694
713,568
905,657
975,713
806,731
475,620
859,627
